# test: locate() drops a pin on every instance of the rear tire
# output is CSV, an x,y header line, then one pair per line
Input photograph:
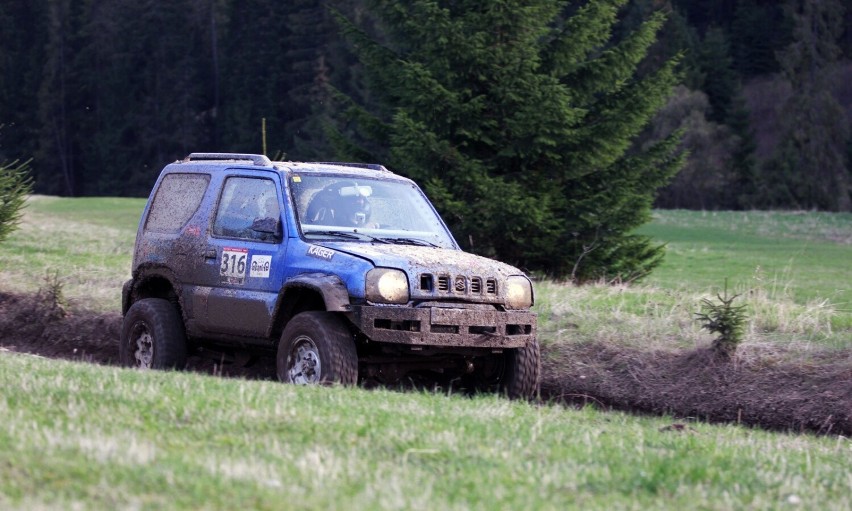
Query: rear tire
x,y
152,336
317,348
522,372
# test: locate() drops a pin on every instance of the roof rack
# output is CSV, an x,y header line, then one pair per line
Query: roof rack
x,y
371,166
257,159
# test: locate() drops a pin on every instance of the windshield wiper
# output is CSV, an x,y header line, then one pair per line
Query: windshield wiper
x,y
410,241
373,238
336,234
348,235
362,236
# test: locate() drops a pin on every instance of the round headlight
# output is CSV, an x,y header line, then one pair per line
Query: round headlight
x,y
519,293
387,285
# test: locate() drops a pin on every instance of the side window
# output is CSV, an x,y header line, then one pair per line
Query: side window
x,y
248,208
176,201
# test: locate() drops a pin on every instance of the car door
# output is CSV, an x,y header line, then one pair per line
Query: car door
x,y
243,257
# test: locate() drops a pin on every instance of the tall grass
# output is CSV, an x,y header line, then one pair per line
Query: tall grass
x,y
90,437
656,318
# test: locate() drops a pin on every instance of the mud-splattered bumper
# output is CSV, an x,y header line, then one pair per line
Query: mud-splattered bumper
x,y
438,326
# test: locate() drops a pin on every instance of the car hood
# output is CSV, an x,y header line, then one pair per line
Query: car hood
x,y
415,259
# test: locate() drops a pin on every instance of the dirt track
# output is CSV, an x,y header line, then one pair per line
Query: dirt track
x,y
813,397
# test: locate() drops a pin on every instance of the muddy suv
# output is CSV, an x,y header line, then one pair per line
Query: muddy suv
x,y
344,271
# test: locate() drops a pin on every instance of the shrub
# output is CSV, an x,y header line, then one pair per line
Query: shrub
x,y
725,319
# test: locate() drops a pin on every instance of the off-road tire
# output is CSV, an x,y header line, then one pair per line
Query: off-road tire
x,y
325,347
522,372
152,336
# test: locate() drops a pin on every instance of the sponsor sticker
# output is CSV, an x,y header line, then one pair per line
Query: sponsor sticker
x,y
320,252
260,265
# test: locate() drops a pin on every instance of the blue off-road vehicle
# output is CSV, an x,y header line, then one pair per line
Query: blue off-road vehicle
x,y
344,271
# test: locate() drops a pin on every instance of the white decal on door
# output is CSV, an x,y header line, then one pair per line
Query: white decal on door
x,y
260,265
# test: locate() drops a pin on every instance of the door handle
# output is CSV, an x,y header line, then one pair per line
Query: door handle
x,y
209,253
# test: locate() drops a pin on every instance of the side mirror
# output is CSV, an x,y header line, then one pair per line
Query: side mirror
x,y
267,228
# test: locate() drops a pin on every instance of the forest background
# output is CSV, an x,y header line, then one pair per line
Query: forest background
x,y
100,94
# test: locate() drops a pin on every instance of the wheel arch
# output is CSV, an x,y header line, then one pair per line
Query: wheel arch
x,y
309,292
153,282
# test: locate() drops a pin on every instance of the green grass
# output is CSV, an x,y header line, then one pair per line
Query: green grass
x,y
793,270
807,255
89,437
88,242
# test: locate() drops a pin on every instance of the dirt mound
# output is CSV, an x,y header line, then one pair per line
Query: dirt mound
x,y
752,390
37,324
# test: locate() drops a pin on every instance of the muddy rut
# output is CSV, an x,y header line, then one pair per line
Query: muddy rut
x,y
812,396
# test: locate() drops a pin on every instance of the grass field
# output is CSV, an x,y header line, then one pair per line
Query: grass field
x,y
793,270
805,255
87,242
93,437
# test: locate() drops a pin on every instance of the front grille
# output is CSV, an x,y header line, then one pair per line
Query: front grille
x,y
458,285
491,287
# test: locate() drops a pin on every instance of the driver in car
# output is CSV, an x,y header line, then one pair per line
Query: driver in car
x,y
342,204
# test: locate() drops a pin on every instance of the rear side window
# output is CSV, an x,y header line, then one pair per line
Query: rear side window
x,y
176,201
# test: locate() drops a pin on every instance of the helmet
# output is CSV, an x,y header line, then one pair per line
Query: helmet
x,y
354,210
343,203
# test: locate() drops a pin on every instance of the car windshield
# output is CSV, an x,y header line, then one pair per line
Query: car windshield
x,y
356,208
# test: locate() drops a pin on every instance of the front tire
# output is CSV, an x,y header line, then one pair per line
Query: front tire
x,y
316,348
152,336
522,376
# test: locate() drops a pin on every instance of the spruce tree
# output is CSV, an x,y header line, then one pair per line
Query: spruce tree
x,y
720,82
809,168
25,34
15,185
519,117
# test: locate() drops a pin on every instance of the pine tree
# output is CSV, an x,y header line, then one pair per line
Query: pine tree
x,y
720,83
55,162
519,117
15,184
743,194
759,29
275,77
255,74
25,32
127,86
809,168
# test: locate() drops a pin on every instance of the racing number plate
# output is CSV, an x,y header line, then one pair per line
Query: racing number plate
x,y
234,263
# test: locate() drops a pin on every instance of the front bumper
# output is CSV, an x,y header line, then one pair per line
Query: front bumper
x,y
446,326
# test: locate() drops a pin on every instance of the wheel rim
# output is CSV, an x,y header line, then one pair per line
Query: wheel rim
x,y
303,362
143,344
